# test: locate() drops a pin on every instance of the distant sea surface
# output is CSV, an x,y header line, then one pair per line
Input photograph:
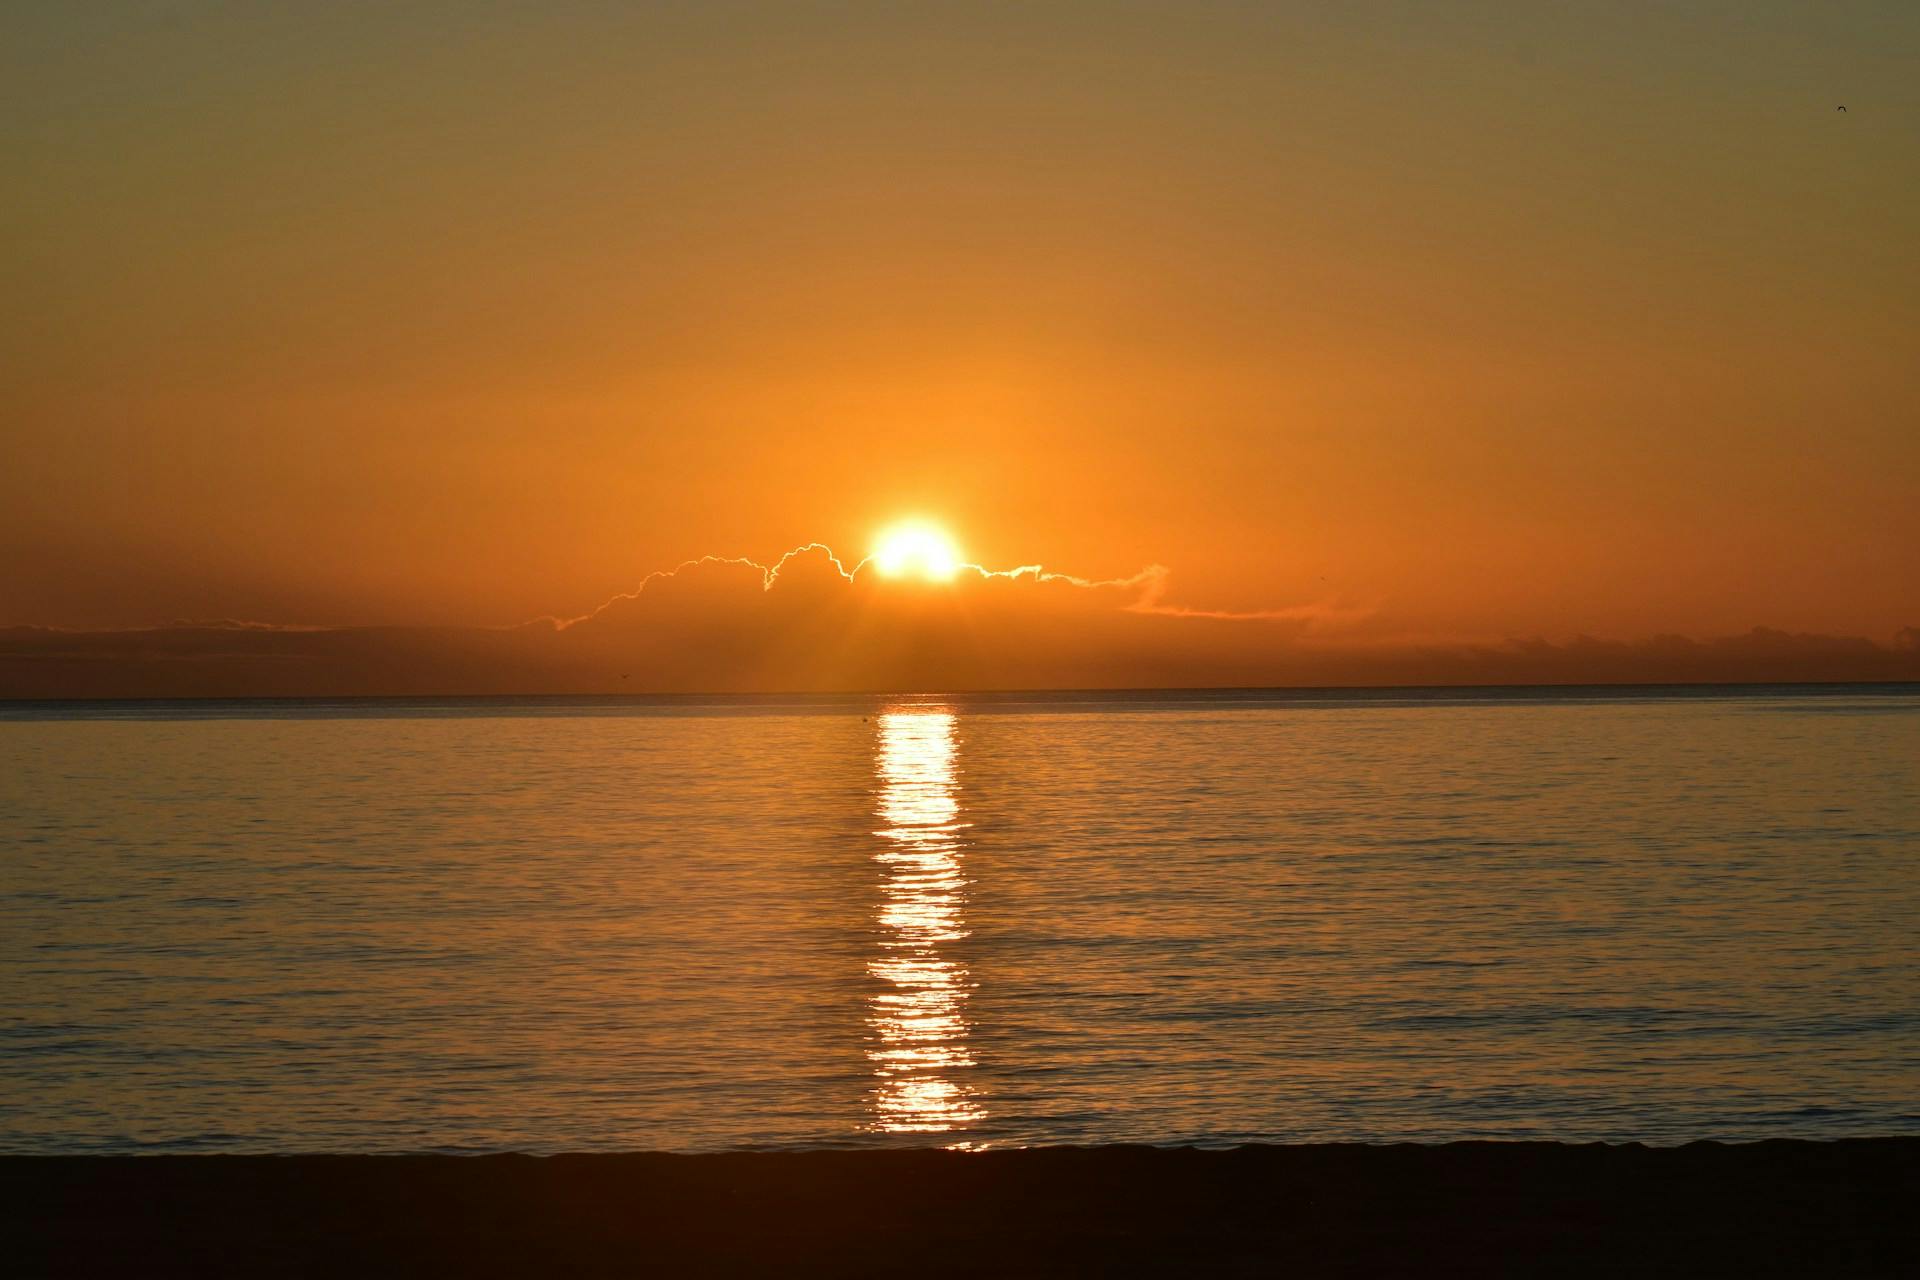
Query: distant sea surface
x,y
696,924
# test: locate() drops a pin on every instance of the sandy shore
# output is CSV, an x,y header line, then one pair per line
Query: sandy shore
x,y
1840,1208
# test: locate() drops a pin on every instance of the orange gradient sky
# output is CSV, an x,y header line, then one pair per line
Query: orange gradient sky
x,y
1508,320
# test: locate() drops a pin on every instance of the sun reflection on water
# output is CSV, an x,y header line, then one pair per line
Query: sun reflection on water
x,y
918,1017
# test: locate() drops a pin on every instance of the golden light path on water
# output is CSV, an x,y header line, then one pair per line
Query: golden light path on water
x,y
918,1015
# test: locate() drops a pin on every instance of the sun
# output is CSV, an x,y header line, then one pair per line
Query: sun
x,y
916,549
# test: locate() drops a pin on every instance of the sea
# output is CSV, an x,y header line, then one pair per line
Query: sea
x,y
693,924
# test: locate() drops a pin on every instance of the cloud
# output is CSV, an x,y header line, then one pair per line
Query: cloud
x,y
1152,582
809,621
812,622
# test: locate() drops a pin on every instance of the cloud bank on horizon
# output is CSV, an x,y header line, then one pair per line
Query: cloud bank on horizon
x,y
808,622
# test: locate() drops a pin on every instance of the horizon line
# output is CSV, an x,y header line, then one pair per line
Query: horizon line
x,y
1084,691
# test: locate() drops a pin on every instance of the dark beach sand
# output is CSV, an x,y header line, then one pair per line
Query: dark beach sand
x,y
1816,1209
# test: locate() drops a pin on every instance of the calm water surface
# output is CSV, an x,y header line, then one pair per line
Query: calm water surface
x,y
558,926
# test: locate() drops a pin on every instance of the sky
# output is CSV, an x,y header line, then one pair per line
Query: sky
x,y
1464,325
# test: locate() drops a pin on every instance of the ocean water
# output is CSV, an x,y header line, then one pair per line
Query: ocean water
x,y
546,925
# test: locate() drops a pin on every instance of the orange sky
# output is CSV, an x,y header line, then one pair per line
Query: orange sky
x,y
1500,323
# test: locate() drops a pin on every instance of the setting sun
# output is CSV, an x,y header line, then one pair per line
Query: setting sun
x,y
918,550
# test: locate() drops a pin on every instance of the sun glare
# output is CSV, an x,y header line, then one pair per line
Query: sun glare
x,y
916,550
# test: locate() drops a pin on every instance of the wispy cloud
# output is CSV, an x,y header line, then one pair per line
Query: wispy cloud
x,y
1148,587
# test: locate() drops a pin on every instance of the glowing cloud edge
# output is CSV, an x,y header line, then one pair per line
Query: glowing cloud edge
x,y
1150,583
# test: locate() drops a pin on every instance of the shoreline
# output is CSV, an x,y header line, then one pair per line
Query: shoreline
x,y
1783,1206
